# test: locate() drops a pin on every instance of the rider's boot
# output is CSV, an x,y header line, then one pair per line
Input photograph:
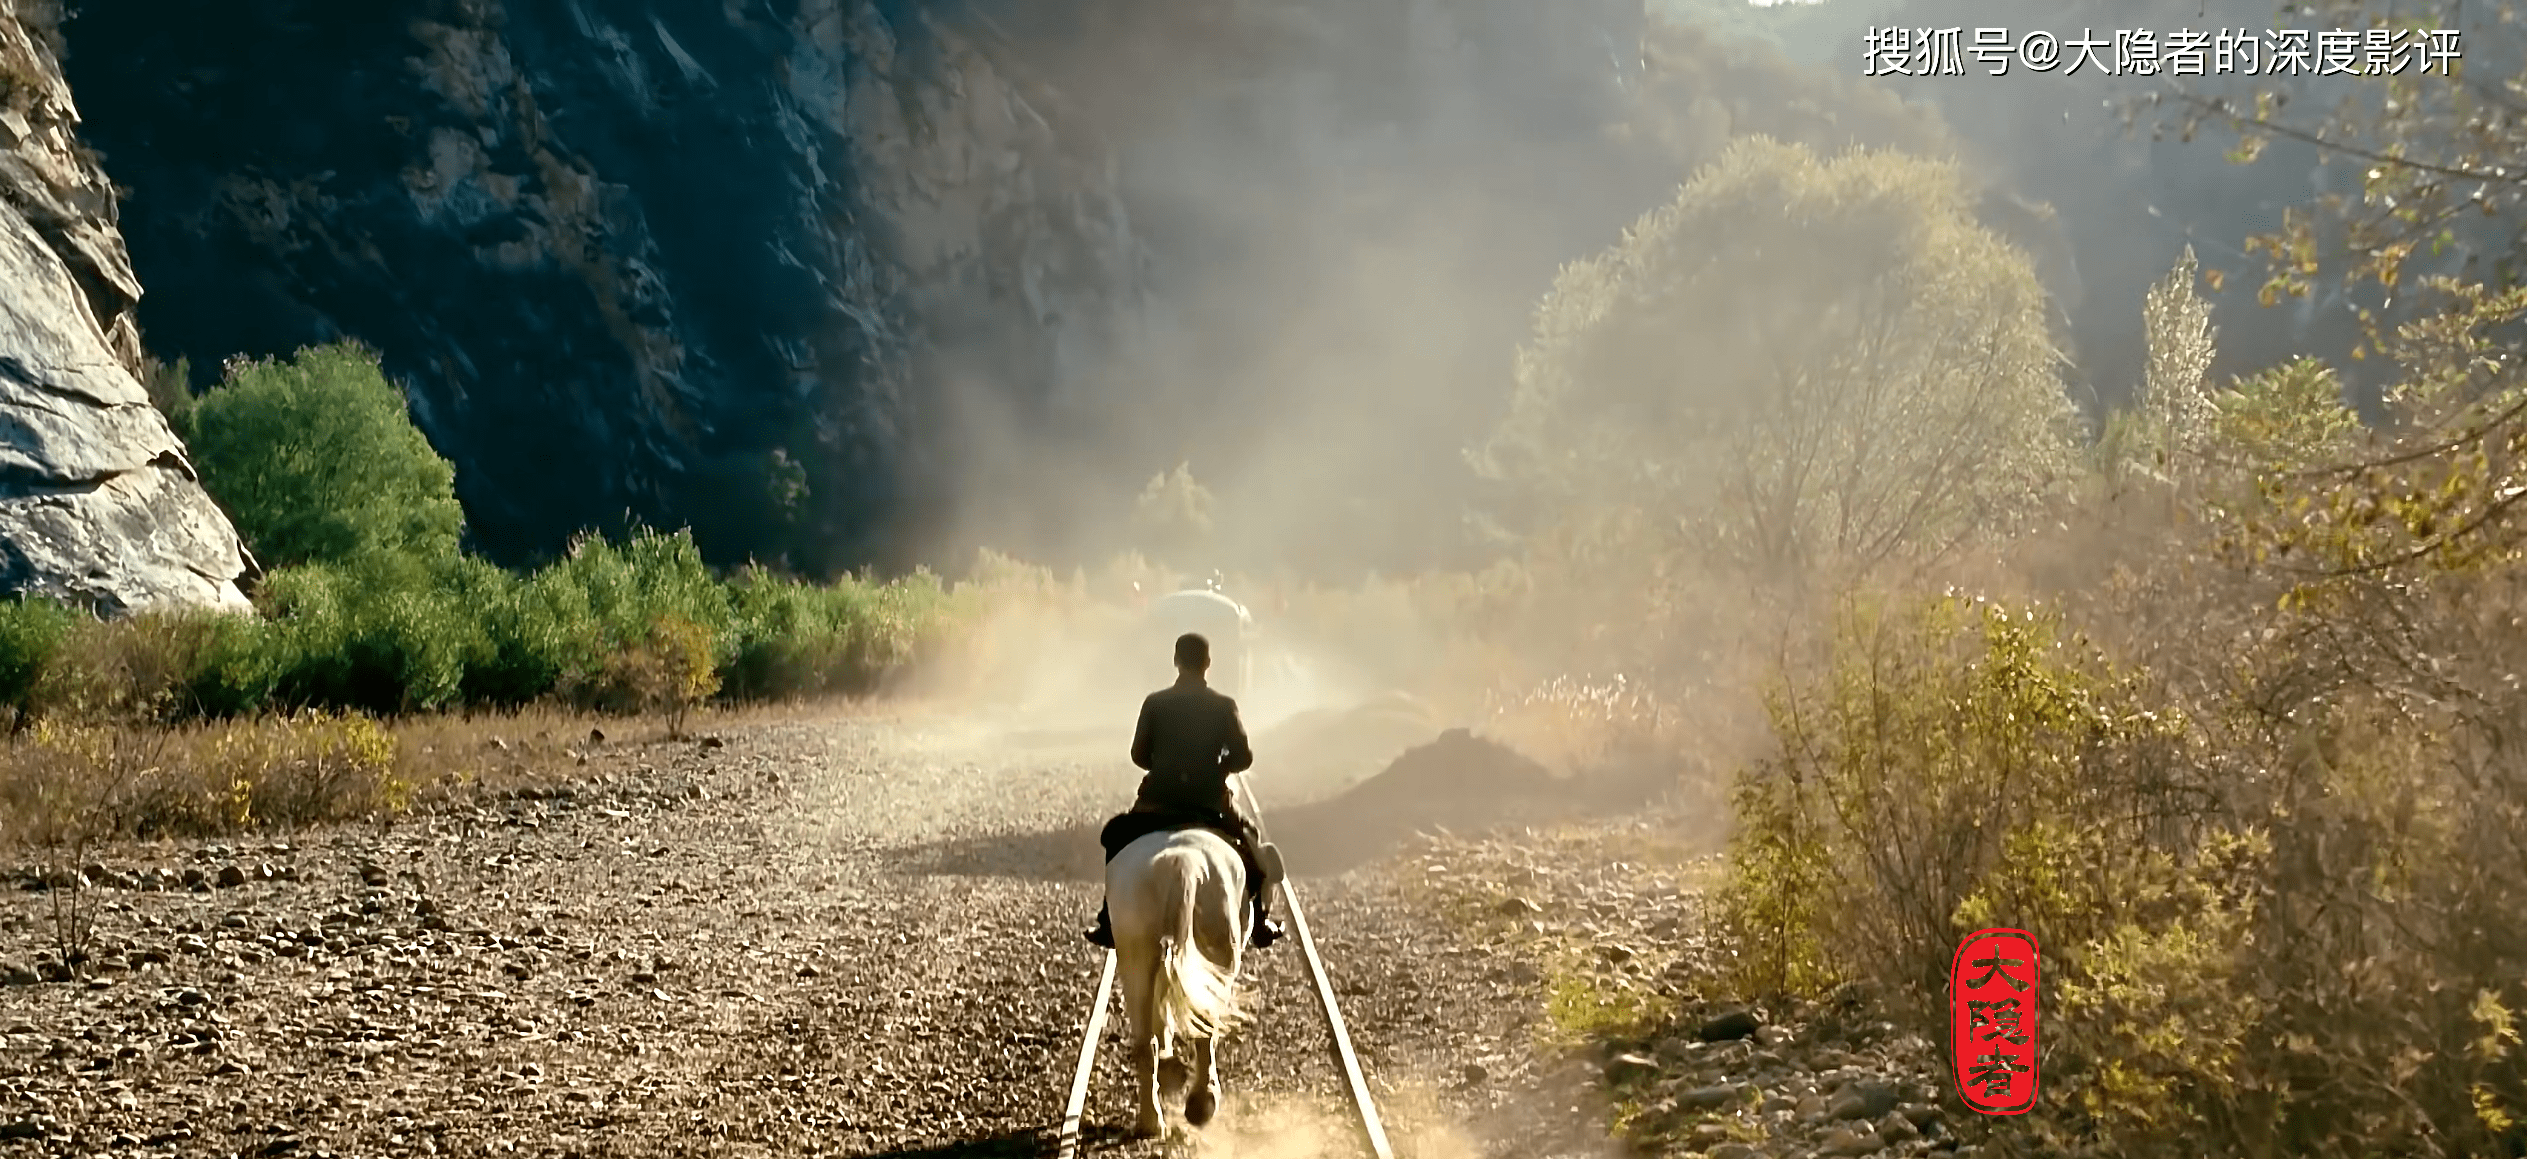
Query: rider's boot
x,y
1266,930
1103,935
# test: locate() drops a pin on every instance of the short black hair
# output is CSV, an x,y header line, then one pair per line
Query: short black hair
x,y
1192,651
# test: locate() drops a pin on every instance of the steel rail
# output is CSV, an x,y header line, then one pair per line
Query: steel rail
x,y
1087,1061
1373,1129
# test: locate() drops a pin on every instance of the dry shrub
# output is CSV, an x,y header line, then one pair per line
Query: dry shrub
x,y
667,671
66,787
285,772
1954,765
2278,894
155,666
65,783
1572,725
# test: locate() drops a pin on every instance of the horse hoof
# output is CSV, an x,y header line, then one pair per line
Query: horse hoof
x,y
1200,1107
1148,1129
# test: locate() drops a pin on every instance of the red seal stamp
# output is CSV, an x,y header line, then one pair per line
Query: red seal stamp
x,y
1992,1019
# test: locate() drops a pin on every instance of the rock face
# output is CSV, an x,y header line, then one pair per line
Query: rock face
x,y
678,262
98,504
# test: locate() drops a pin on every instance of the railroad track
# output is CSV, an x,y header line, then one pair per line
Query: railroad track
x,y
1364,1105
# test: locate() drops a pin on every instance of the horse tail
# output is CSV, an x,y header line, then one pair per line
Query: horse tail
x,y
1193,997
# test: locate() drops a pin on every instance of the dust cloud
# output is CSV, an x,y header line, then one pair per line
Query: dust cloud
x,y
1345,216
1255,1127
1348,211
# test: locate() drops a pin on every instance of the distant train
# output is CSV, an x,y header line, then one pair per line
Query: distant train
x,y
1224,622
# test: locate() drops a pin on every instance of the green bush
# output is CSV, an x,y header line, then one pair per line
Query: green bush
x,y
316,460
797,639
381,633
235,669
786,640
540,637
31,636
630,586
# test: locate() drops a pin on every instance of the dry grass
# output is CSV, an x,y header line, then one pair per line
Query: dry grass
x,y
66,788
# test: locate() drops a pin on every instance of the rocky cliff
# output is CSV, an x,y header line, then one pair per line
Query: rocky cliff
x,y
678,264
98,504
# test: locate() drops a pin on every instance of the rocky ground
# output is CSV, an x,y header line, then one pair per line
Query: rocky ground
x,y
797,938
740,947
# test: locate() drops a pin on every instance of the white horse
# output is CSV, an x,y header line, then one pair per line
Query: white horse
x,y
1178,900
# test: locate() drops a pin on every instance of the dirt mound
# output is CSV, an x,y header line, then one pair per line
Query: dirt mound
x,y
1455,773
1459,781
1324,751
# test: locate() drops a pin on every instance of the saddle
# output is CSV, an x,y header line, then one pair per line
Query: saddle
x,y
1262,860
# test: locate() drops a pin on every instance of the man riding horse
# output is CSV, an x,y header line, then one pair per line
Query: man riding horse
x,y
1190,742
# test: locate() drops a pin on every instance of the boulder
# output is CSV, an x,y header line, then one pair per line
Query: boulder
x,y
99,505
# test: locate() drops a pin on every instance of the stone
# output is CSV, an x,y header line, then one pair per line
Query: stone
x,y
1846,1142
1730,1151
1709,1098
1864,1099
1628,1067
1730,1025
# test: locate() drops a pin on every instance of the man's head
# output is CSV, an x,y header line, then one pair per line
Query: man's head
x,y
1193,654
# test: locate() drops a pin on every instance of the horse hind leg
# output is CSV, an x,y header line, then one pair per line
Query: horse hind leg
x,y
1221,938
1139,1015
1173,1074
1204,1101
1148,1122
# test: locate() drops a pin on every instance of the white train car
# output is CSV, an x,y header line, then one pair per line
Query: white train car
x,y
1224,622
